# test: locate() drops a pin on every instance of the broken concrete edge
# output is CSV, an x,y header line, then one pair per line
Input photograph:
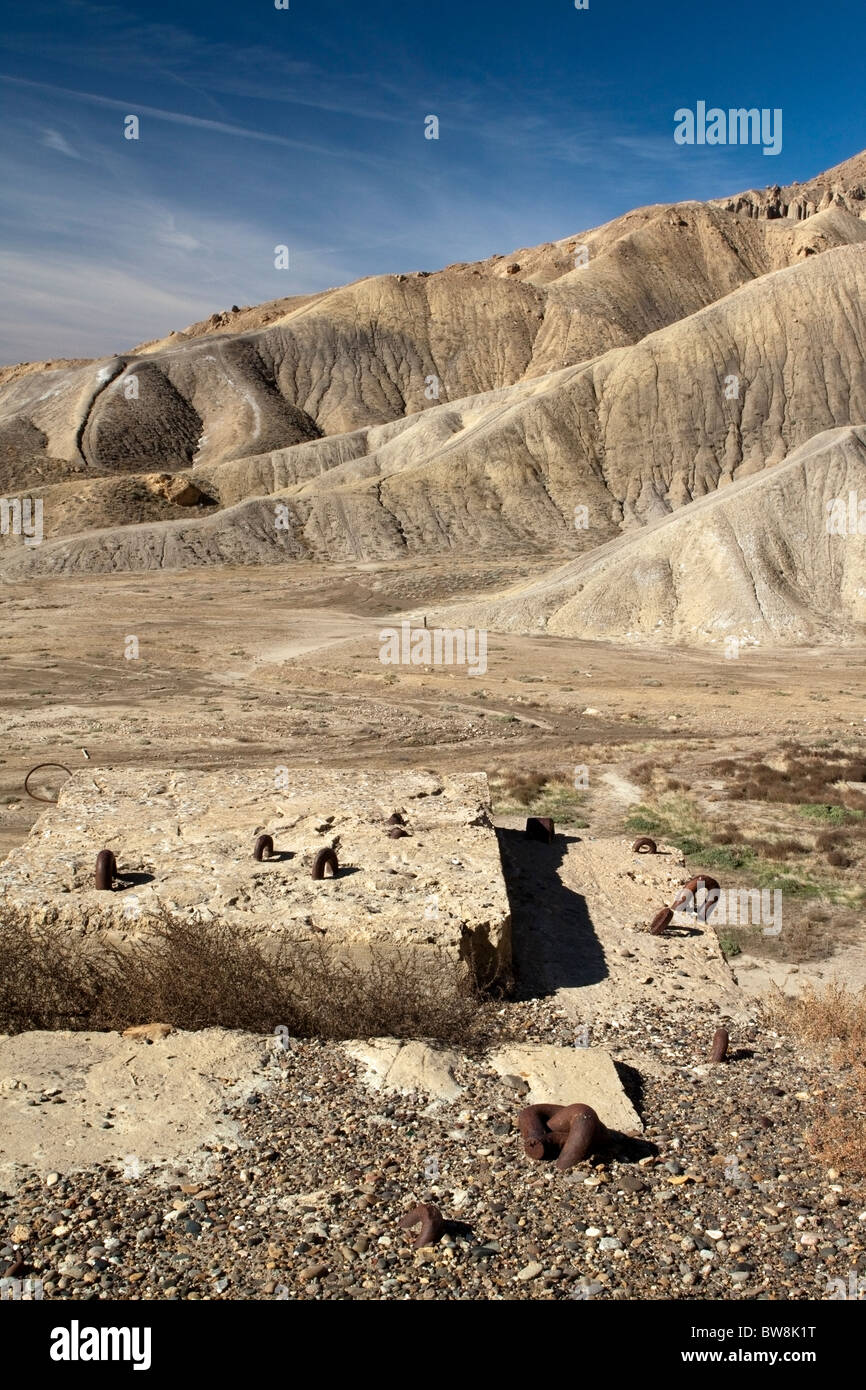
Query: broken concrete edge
x,y
212,1074
555,1075
184,846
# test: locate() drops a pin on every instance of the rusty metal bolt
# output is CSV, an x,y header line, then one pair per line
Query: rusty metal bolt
x,y
263,848
325,859
644,845
540,828
573,1130
432,1224
106,869
51,800
661,920
720,1045
688,894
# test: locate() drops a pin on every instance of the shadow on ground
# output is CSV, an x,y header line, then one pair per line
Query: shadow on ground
x,y
554,942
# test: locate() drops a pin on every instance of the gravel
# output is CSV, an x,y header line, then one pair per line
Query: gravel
x,y
719,1198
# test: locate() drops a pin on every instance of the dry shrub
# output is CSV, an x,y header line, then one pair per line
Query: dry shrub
x,y
644,772
810,776
775,849
831,839
51,980
839,860
205,975
834,1021
526,787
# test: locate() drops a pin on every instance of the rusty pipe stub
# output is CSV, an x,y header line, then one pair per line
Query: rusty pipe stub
x,y
540,828
721,1039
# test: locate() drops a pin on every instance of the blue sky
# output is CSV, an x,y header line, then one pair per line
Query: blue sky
x,y
305,127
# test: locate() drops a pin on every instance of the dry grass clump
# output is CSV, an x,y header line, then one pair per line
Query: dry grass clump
x,y
204,975
833,1020
808,777
538,793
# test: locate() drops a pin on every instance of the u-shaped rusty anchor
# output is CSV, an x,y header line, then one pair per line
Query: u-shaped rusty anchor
x,y
106,869
688,893
574,1130
325,859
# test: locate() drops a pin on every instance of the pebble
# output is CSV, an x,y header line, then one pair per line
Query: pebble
x,y
272,1219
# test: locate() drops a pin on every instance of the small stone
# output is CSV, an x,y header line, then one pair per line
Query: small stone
x,y
151,1032
631,1182
530,1271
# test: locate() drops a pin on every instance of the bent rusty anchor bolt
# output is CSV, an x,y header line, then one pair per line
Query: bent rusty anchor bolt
x,y
263,848
644,845
106,869
720,1045
688,895
432,1224
573,1130
540,828
325,859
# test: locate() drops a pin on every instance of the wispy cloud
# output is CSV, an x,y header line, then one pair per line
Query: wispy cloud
x,y
183,119
54,140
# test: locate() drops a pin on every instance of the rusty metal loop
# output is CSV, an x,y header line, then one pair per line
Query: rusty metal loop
x,y
51,800
325,859
573,1130
263,848
106,870
688,893
644,845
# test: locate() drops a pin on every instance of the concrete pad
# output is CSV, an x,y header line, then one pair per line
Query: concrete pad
x,y
570,1076
164,1100
395,1065
183,841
